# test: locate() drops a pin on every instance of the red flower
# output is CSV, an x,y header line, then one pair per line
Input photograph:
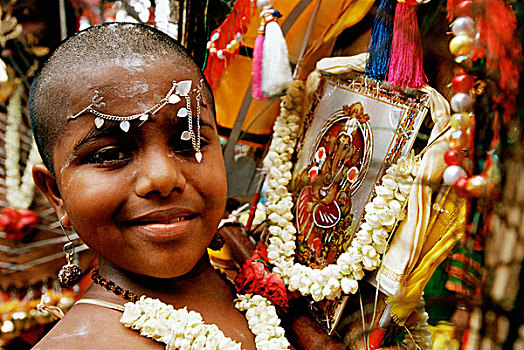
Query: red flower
x,y
17,223
254,277
251,276
275,290
262,252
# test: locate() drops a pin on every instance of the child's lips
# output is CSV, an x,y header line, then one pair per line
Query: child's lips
x,y
162,229
164,221
164,232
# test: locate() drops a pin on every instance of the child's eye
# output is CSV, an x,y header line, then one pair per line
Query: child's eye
x,y
185,148
109,155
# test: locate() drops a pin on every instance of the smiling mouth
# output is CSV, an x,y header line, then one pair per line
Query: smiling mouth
x,y
163,230
166,221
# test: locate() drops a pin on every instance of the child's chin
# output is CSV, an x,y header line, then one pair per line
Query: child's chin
x,y
168,271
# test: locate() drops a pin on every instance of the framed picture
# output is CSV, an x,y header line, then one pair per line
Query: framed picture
x,y
355,128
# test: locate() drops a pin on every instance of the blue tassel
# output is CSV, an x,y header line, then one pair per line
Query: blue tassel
x,y
381,38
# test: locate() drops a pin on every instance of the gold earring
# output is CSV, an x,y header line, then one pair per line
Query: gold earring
x,y
70,274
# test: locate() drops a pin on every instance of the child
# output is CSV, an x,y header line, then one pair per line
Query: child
x,y
124,121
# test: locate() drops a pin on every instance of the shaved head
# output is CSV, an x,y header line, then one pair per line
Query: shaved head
x,y
127,45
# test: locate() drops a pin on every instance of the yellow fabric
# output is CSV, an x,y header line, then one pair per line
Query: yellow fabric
x,y
445,232
433,166
229,93
442,336
355,12
234,83
406,245
419,247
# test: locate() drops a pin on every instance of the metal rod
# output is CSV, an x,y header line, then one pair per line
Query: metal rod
x,y
63,23
11,267
33,245
309,30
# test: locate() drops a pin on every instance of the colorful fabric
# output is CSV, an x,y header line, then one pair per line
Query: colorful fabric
x,y
465,271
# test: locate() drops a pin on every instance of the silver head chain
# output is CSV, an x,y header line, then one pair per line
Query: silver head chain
x,y
178,90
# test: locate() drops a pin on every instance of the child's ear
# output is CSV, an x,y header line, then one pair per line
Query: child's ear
x,y
46,182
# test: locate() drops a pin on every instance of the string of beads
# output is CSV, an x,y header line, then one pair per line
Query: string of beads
x,y
112,287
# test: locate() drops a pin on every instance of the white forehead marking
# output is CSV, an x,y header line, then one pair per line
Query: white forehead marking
x,y
132,63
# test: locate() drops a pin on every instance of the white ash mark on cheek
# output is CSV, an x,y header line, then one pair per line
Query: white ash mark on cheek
x,y
132,175
64,186
71,158
175,156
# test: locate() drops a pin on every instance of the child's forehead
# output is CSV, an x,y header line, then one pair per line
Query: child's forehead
x,y
127,88
116,91
115,76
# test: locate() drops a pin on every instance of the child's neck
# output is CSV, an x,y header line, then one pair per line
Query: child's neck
x,y
176,290
201,290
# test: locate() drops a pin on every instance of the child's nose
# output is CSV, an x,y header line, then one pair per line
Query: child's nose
x,y
160,173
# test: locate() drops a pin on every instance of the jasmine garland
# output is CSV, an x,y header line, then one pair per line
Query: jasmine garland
x,y
381,215
19,191
183,329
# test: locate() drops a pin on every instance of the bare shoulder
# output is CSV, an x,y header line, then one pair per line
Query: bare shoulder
x,y
93,327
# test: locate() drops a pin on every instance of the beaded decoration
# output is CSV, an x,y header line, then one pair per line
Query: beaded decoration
x,y
112,287
163,323
178,90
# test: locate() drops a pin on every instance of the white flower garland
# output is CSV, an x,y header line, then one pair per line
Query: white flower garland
x,y
20,192
141,8
381,215
419,336
263,321
163,18
182,329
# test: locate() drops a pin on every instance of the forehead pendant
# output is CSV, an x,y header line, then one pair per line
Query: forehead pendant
x,y
179,90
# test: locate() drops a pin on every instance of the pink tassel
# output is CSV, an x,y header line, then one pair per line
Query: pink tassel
x,y
258,55
406,68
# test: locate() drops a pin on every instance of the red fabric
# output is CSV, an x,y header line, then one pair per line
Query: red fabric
x,y
502,49
236,22
17,223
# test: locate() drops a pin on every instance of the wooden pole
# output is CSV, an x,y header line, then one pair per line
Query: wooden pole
x,y
63,23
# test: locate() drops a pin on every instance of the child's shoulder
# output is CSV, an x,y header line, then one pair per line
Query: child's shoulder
x,y
93,327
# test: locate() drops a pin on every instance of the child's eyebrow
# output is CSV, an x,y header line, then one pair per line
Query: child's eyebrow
x,y
95,134
204,123
178,122
113,129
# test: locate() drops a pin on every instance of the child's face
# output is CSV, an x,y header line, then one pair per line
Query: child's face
x,y
140,199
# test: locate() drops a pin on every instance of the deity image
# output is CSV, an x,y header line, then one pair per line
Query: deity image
x,y
337,164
